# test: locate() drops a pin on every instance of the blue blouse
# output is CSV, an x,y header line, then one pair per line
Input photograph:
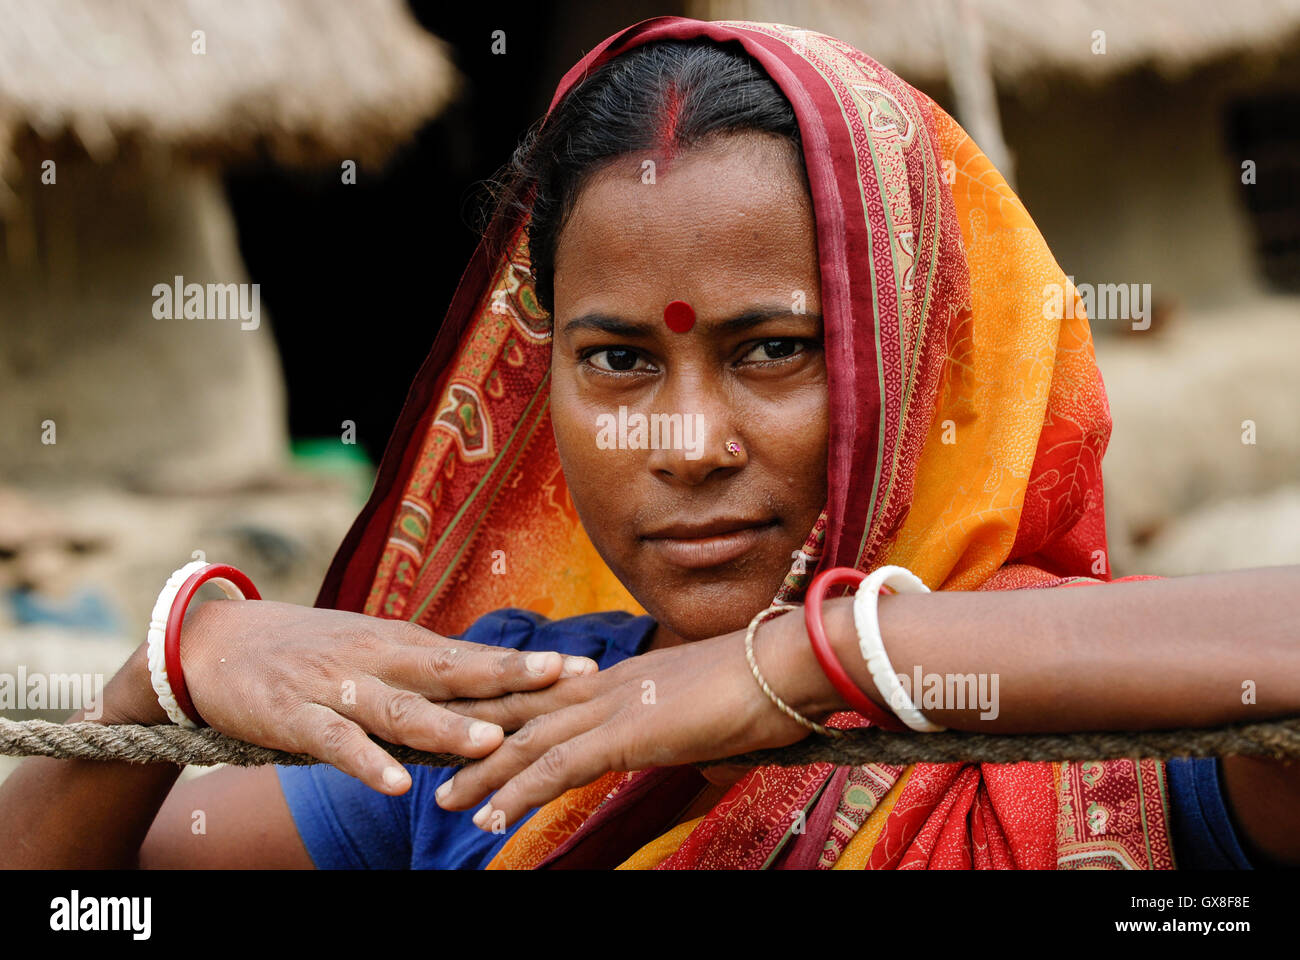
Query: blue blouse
x,y
346,825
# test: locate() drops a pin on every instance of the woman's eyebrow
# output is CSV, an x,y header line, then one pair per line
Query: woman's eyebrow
x,y
626,328
607,324
756,315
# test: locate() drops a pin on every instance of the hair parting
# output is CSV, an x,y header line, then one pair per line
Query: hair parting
x,y
657,100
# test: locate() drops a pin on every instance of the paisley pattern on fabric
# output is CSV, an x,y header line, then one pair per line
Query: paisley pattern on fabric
x,y
866,787
462,416
1102,804
933,290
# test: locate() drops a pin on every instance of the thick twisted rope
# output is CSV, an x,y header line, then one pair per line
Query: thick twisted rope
x,y
171,744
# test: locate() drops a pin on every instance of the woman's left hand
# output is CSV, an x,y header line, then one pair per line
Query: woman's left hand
x,y
682,704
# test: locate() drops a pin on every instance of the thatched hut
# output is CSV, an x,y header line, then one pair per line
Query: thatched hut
x,y
116,118
1126,124
1175,37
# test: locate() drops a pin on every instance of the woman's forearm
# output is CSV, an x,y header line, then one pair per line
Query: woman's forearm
x,y
1187,652
87,813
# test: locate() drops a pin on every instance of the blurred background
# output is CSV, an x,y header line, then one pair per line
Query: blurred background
x,y
333,152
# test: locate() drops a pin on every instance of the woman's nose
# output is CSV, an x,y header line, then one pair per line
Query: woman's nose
x,y
698,445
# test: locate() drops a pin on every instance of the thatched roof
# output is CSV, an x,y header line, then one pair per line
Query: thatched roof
x,y
306,80
1035,36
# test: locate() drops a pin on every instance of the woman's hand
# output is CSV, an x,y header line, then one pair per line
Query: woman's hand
x,y
318,681
683,704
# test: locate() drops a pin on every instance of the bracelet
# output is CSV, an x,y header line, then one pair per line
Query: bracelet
x,y
872,645
164,650
784,707
857,700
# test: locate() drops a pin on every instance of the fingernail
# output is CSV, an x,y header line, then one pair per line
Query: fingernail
x,y
443,789
576,666
480,731
394,777
481,817
536,663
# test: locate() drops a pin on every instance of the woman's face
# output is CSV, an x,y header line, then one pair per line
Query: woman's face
x,y
701,537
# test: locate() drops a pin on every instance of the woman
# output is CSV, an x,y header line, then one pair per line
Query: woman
x,y
765,233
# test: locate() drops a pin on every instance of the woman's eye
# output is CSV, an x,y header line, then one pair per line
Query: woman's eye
x,y
615,360
774,350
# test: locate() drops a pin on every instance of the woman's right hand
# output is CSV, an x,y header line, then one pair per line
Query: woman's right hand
x,y
316,681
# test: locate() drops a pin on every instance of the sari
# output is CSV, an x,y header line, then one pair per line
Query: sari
x,y
967,425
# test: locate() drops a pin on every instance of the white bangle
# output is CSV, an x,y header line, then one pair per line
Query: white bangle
x,y
872,645
158,637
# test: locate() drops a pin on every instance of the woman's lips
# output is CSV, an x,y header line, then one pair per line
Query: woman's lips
x,y
696,553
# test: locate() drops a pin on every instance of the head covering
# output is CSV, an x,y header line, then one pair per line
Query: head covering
x,y
967,425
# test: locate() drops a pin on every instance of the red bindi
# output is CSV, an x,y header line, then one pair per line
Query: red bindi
x,y
679,316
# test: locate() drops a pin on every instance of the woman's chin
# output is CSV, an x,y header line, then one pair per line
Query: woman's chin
x,y
704,610
696,604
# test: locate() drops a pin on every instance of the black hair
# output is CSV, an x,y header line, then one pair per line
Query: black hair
x,y
661,96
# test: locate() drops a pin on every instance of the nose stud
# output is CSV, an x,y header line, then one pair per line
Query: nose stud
x,y
733,448
679,316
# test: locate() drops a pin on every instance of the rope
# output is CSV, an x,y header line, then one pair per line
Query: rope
x,y
172,744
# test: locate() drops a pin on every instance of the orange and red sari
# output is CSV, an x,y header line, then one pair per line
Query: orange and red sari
x,y
968,422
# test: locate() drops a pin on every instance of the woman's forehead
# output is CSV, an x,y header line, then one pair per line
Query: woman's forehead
x,y
719,221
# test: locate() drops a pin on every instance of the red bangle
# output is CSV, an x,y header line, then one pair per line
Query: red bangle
x,y
836,674
233,577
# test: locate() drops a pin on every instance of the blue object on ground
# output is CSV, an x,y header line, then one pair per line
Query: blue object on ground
x,y
86,609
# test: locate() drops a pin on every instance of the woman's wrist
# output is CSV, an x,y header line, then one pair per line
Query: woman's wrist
x,y
799,678
795,672
129,696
